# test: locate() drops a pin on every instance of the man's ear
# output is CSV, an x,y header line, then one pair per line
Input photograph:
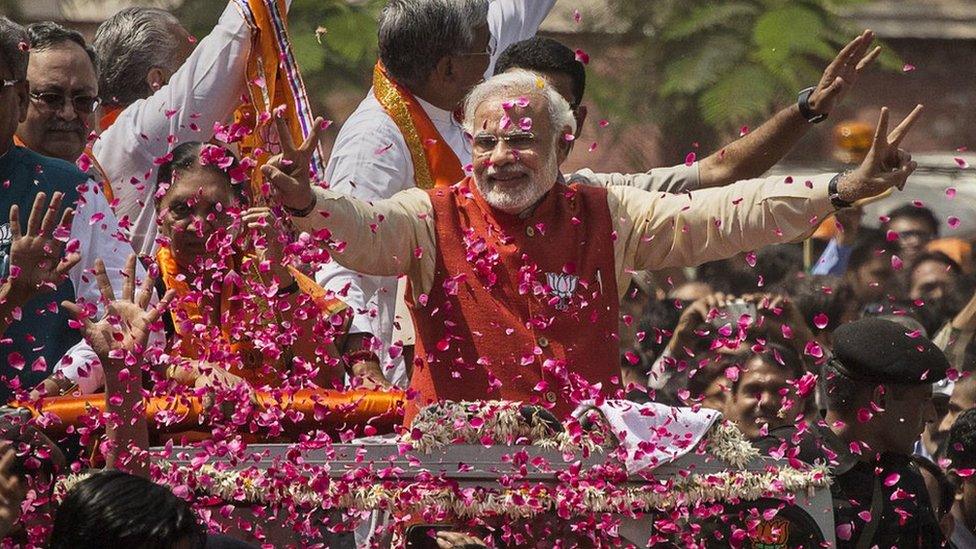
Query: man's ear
x,y
563,146
22,89
156,78
580,112
444,71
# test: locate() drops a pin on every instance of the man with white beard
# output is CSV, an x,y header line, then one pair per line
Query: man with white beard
x,y
515,278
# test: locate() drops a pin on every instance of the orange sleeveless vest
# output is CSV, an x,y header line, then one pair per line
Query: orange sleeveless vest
x,y
520,309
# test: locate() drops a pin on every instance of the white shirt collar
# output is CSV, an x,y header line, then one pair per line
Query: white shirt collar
x,y
437,115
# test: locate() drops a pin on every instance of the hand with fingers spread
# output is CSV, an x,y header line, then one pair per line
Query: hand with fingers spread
x,y
36,262
885,167
128,322
288,172
843,72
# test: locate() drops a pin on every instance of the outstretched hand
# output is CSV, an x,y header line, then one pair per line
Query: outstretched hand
x,y
843,72
289,171
36,262
127,322
885,167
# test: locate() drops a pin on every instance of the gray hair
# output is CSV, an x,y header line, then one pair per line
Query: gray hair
x,y
130,44
520,83
48,34
414,35
14,48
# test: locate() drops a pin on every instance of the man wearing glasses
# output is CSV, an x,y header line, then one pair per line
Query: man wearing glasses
x,y
38,340
63,76
405,134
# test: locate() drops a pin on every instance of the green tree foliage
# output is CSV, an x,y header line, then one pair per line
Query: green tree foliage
x,y
701,69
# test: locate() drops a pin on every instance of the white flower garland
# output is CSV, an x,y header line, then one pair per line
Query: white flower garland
x,y
500,422
251,487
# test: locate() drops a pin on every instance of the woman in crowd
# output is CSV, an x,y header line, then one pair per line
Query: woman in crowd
x,y
241,312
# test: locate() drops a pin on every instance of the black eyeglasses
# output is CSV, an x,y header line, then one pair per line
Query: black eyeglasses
x,y
8,83
85,104
484,143
489,51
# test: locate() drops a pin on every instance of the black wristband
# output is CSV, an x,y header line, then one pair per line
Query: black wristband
x,y
835,198
803,102
304,212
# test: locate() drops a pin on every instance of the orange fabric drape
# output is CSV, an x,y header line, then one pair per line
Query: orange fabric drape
x,y
434,162
270,93
321,408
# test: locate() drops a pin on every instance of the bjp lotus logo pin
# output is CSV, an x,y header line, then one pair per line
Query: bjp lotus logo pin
x,y
562,286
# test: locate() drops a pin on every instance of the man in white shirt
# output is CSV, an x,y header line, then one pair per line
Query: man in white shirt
x,y
372,159
158,90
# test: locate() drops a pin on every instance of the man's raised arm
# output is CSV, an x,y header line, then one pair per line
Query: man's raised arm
x,y
389,238
681,230
756,152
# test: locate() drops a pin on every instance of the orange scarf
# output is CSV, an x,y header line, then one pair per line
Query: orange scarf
x,y
187,313
109,116
434,162
270,87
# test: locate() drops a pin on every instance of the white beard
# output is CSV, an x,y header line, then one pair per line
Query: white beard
x,y
517,200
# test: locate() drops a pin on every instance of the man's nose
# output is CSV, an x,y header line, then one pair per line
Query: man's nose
x,y
67,111
502,154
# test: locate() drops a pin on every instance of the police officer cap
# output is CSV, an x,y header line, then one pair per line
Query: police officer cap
x,y
881,351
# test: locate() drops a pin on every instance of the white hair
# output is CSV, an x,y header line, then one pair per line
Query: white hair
x,y
520,83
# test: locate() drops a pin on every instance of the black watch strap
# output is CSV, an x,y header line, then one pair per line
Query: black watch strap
x,y
835,198
803,102
305,212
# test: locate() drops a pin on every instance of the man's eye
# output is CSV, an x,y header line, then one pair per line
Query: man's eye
x,y
521,141
485,143
181,209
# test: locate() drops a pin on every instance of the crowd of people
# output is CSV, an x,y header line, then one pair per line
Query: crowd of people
x,y
445,253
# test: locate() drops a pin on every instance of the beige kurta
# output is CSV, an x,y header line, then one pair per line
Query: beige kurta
x,y
653,230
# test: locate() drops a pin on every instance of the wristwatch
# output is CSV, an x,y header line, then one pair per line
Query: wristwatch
x,y
803,101
305,212
834,196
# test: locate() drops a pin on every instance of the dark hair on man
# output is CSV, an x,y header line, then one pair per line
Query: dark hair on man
x,y
918,213
937,257
904,312
414,35
778,263
947,492
776,355
658,321
868,245
48,34
545,55
816,294
961,443
729,276
14,47
130,44
115,509
186,157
